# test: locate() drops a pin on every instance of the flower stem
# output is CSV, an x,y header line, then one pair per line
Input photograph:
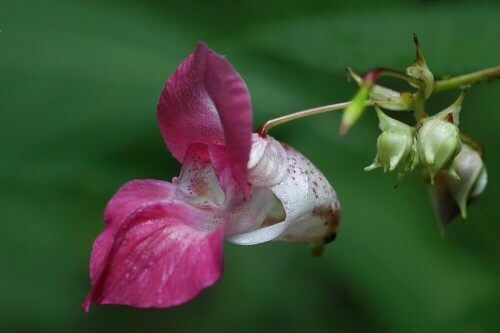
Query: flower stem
x,y
372,76
470,78
266,126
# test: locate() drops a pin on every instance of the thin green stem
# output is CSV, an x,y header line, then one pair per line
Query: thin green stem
x,y
470,78
266,126
371,78
418,105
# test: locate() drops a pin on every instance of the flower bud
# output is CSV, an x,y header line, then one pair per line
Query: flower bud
x,y
355,109
450,196
439,140
420,71
438,144
393,145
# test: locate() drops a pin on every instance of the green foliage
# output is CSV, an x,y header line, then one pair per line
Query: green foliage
x,y
79,85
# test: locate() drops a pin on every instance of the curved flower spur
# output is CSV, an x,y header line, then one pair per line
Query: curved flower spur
x,y
162,242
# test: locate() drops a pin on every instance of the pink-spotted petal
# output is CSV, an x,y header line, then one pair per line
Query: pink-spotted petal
x,y
198,180
310,204
205,100
155,259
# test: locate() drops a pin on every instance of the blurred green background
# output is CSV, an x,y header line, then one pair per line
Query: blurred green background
x,y
79,82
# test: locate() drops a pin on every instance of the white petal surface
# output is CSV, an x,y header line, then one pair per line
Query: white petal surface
x,y
198,180
469,167
310,203
268,162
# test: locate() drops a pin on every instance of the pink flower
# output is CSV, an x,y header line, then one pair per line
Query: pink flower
x,y
162,242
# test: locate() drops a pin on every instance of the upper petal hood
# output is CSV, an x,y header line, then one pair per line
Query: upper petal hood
x,y
206,101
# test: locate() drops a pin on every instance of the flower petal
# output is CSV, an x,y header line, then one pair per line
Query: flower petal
x,y
198,180
310,203
251,213
134,194
268,162
469,166
205,100
443,202
155,259
132,197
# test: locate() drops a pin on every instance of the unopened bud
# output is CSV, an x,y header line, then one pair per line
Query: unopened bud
x,y
438,144
439,140
355,109
450,196
473,178
393,145
420,71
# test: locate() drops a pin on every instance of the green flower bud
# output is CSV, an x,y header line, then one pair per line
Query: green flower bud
x,y
439,140
438,144
394,145
355,109
420,71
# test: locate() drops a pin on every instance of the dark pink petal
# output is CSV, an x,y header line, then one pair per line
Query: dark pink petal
x,y
129,199
206,101
222,167
155,259
134,194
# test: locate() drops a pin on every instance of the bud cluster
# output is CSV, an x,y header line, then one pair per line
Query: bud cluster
x,y
452,162
434,142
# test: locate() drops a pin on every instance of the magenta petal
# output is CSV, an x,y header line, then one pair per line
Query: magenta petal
x,y
230,95
155,262
134,194
206,101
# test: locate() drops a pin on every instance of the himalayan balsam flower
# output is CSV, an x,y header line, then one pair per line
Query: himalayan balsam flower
x,y
162,242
